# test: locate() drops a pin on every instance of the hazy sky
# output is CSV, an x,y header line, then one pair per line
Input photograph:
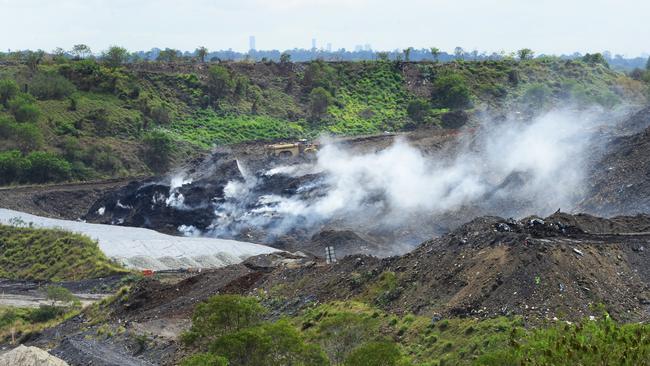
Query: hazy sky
x,y
546,26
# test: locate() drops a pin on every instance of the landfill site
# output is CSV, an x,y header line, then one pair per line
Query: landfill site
x,y
539,219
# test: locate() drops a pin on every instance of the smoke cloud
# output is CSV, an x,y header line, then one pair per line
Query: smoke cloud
x,y
508,168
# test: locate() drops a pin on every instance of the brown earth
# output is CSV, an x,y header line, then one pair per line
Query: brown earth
x,y
61,201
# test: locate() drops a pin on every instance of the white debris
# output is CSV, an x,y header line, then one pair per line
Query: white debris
x,y
578,252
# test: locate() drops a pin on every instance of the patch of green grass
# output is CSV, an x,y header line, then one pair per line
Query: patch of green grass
x,y
211,130
590,342
56,255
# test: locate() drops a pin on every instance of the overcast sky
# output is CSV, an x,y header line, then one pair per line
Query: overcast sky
x,y
546,26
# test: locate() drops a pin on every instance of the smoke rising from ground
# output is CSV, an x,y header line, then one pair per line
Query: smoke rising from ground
x,y
508,168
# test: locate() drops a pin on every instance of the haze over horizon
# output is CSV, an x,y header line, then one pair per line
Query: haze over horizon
x,y
550,27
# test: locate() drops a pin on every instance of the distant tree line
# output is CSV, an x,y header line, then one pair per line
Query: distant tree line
x,y
116,55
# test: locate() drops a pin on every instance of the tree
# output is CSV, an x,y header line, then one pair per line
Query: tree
x,y
647,64
201,53
340,333
382,56
220,315
58,55
32,59
375,354
407,54
285,58
595,59
525,54
459,53
59,294
451,91
220,82
8,89
319,100
268,344
115,56
435,52
169,55
80,51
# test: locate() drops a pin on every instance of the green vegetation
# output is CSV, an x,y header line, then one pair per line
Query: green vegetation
x,y
28,320
118,117
230,329
56,255
599,342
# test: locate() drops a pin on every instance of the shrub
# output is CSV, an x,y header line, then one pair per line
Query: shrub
x,y
61,295
319,100
341,332
46,167
375,354
220,315
537,95
319,74
8,90
417,109
159,147
220,82
51,86
204,359
599,342
12,166
451,91
268,344
45,313
23,108
28,137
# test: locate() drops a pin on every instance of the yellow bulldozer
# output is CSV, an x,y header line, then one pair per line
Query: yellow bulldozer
x,y
292,149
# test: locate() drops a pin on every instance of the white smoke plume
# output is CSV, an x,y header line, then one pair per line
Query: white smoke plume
x,y
509,168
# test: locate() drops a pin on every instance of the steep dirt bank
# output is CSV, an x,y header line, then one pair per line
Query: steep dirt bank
x,y
62,201
620,184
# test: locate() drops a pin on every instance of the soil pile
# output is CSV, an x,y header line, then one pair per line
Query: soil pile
x,y
345,242
562,266
30,356
619,182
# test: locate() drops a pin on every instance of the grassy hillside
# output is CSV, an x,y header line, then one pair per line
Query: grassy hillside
x,y
56,255
66,120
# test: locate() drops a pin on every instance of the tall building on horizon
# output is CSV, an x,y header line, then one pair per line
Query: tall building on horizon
x,y
313,43
329,47
251,43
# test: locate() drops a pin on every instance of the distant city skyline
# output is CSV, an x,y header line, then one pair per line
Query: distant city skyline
x,y
549,27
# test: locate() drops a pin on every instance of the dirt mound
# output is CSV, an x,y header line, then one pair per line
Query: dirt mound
x,y
62,201
30,356
345,242
619,183
561,266
152,299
